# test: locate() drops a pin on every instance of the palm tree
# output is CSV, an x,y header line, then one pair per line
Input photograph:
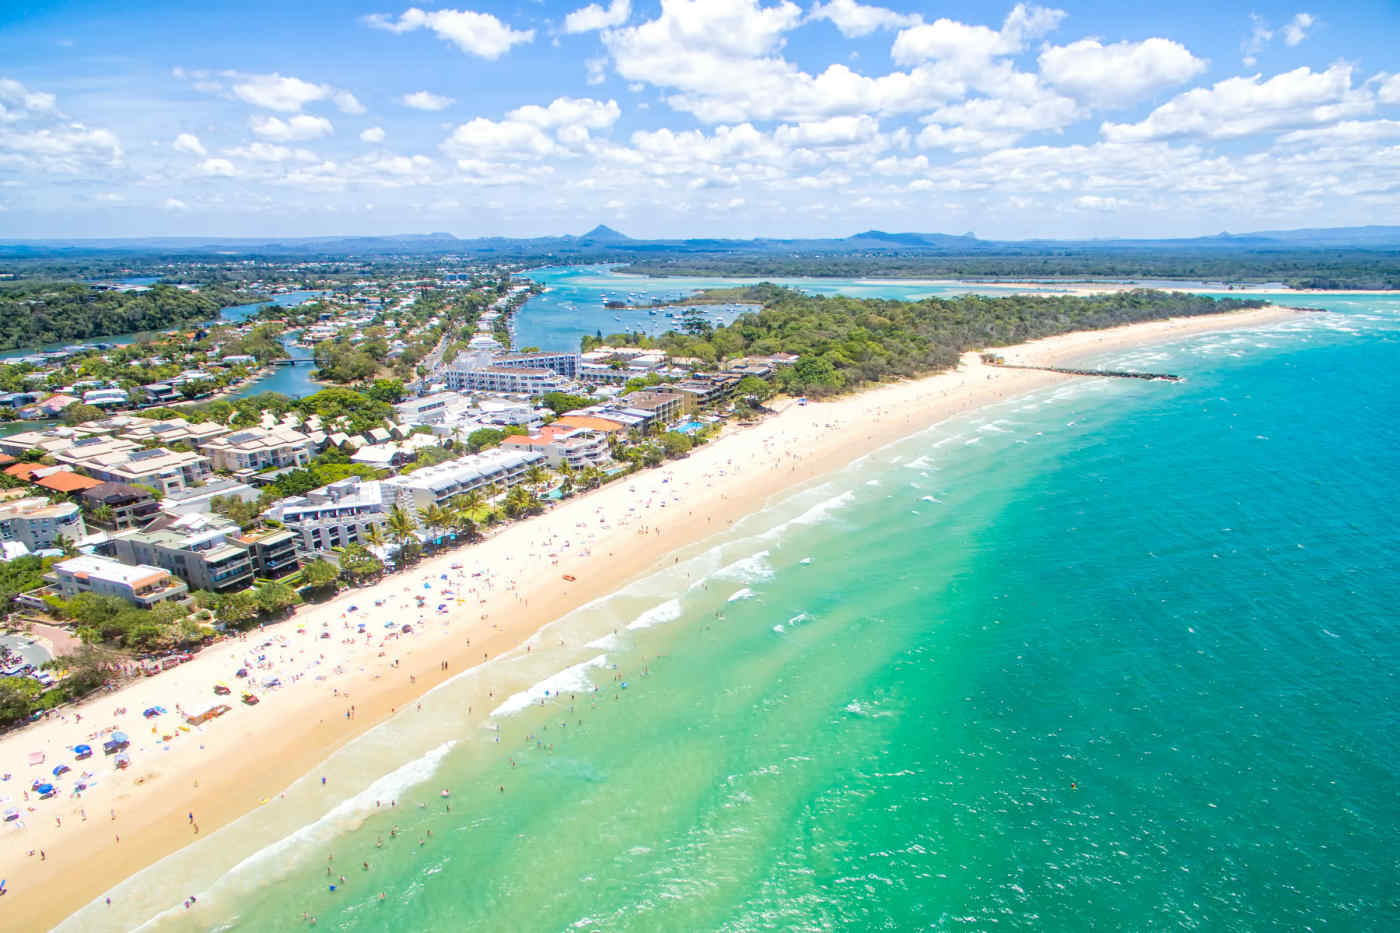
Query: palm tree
x,y
473,500
400,527
375,536
566,478
104,514
65,545
434,517
536,475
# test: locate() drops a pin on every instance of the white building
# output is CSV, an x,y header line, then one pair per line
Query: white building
x,y
253,449
335,515
38,523
438,484
165,471
140,584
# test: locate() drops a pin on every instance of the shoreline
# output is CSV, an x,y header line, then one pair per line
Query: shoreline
x,y
295,728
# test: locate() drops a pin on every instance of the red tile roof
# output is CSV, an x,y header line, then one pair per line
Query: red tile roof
x,y
66,481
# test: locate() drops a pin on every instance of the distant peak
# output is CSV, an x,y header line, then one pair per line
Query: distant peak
x,y
606,234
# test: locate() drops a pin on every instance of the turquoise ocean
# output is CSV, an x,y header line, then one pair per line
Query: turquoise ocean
x,y
1115,655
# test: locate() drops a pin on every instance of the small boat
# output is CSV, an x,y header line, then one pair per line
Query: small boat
x,y
570,578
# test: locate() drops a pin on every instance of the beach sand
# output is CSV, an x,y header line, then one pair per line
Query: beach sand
x,y
505,589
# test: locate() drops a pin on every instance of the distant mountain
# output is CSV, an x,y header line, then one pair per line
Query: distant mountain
x,y
603,243
604,234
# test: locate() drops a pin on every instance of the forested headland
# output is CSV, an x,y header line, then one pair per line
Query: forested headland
x,y
1338,269
35,313
845,343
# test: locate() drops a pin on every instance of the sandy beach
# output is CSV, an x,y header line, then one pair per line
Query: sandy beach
x,y
346,664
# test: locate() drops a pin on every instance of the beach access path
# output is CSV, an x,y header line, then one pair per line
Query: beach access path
x,y
504,591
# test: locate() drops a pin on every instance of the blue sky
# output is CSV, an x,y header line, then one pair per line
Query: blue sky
x,y
696,117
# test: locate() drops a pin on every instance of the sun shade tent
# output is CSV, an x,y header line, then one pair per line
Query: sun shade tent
x,y
45,790
115,743
82,751
60,769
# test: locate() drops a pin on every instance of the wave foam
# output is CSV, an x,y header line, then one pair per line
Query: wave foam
x,y
744,593
570,680
669,611
747,570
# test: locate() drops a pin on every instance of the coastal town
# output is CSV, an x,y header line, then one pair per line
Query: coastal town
x,y
146,515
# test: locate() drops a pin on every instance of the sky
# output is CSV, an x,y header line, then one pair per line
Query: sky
x,y
742,118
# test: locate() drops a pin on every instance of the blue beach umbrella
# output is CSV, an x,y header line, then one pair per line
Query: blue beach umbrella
x,y
82,751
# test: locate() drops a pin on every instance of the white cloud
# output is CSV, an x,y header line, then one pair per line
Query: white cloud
x,y
276,92
1094,202
69,148
175,204
1120,73
375,134
833,131
17,101
1389,90
1345,133
348,103
596,69
189,143
1243,106
593,16
1297,29
269,152
721,57
221,167
426,100
483,138
569,111
300,127
1259,36
857,19
479,34
972,47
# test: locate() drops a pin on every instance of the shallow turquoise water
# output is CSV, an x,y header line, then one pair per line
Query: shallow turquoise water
x,y
1117,656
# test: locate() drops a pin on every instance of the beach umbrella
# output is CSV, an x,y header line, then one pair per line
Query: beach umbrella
x,y
120,737
45,790
60,769
82,751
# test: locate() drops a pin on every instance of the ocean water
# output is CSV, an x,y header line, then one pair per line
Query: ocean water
x,y
1116,655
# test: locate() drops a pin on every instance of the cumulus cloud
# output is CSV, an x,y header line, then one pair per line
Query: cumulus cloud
x,y
721,58
175,204
971,46
300,127
189,143
1297,29
69,148
270,152
348,103
1388,91
479,34
426,100
18,101
1244,106
593,16
858,19
570,111
1119,73
375,134
221,167
276,92
481,138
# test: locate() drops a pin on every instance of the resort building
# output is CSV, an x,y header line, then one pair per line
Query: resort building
x,y
665,406
142,585
163,470
66,481
436,485
252,449
561,444
335,515
127,506
200,549
38,523
273,550
429,409
516,380
591,423
201,498
175,430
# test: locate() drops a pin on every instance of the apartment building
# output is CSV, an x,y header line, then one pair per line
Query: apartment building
x,y
129,507
202,550
143,585
163,470
335,515
38,523
251,449
436,485
561,444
